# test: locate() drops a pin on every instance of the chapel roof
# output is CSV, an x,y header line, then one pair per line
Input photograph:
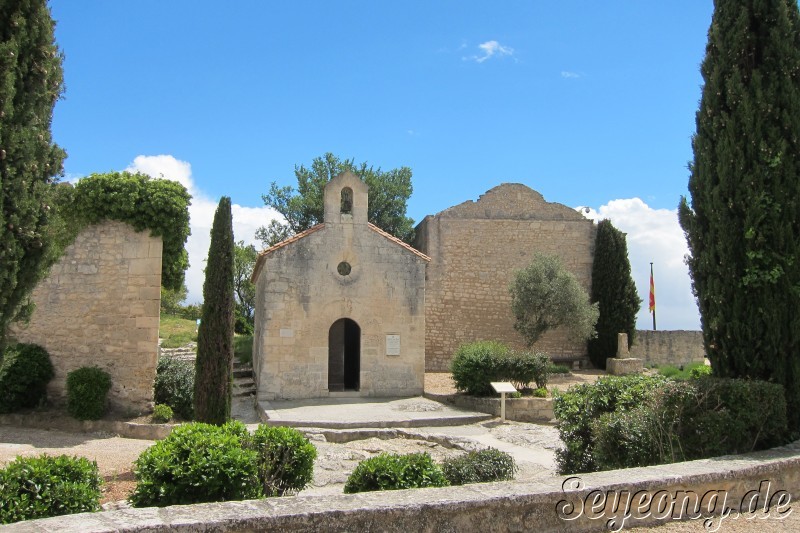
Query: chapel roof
x,y
314,229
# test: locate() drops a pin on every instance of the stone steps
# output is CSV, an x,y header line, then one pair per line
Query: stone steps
x,y
243,383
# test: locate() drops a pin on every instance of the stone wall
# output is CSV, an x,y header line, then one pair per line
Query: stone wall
x,y
301,293
100,306
475,248
588,502
669,347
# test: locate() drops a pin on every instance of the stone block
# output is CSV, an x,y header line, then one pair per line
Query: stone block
x,y
622,367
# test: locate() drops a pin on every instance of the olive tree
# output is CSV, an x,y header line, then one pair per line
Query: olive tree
x,y
546,295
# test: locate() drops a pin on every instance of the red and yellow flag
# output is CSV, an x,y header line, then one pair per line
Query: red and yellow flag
x,y
652,291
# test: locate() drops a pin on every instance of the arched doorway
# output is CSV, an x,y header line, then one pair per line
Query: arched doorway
x,y
344,355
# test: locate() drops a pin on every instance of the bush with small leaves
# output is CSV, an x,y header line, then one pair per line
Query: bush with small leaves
x,y
476,365
392,472
578,408
700,371
285,459
162,413
44,486
541,392
480,467
692,419
87,388
174,386
197,463
25,370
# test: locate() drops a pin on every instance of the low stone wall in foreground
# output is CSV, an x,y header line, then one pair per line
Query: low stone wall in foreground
x,y
583,503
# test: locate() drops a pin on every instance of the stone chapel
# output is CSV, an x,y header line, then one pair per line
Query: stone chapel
x,y
340,307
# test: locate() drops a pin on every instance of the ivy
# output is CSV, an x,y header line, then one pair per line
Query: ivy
x,y
159,205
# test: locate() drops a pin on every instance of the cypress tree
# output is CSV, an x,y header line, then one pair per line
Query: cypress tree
x,y
31,81
212,384
614,291
743,224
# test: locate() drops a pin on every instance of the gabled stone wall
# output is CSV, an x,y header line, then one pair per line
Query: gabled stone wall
x,y
475,248
100,306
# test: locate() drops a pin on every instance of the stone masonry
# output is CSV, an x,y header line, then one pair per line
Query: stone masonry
x,y
665,347
344,270
475,248
99,305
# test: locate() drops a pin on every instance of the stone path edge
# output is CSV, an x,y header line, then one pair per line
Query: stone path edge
x,y
508,506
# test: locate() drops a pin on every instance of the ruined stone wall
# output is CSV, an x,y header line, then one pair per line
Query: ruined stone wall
x,y
475,248
669,347
100,306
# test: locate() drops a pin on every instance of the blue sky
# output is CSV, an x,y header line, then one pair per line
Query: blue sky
x,y
590,103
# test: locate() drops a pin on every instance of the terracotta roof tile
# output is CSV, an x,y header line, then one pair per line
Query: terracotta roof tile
x,y
395,240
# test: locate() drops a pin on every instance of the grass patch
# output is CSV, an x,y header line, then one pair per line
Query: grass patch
x,y
682,372
176,331
243,348
558,369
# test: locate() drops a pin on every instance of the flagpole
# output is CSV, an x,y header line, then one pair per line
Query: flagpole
x,y
652,296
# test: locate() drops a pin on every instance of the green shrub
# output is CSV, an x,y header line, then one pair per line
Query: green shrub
x,y
285,459
162,413
174,386
44,486
476,365
479,467
197,463
541,392
579,407
392,472
554,368
87,388
686,420
243,348
700,371
25,370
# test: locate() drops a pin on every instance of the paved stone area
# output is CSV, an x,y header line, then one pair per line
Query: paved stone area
x,y
365,413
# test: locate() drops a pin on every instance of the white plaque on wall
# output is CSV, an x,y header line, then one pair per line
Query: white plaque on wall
x,y
287,332
392,344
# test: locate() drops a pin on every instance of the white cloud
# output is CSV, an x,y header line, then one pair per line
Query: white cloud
x,y
569,75
654,235
490,49
201,215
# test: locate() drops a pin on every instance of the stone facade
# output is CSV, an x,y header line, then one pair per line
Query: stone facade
x,y
475,248
340,308
100,305
665,347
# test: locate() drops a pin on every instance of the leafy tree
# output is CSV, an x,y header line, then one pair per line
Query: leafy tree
x,y
614,292
212,385
171,299
545,295
743,224
160,205
303,208
244,261
31,81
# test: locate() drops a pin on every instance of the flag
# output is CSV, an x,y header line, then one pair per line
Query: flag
x,y
652,291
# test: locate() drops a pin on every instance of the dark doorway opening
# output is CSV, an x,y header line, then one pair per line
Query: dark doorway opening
x,y
344,355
